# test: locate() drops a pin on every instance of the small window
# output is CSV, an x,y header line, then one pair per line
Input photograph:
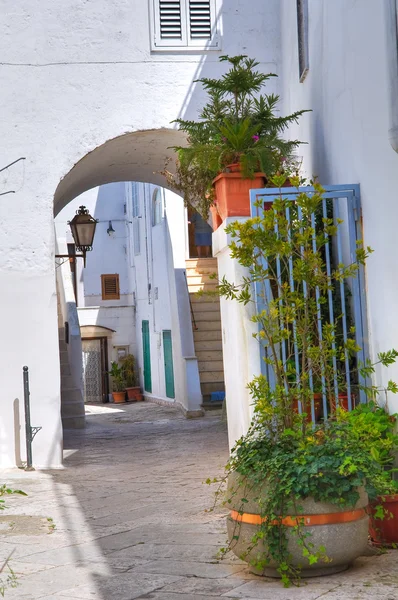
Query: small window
x,y
157,207
110,287
302,34
184,24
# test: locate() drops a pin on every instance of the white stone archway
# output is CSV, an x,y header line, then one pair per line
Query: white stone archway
x,y
136,156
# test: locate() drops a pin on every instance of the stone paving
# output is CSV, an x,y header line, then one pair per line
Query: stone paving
x,y
129,520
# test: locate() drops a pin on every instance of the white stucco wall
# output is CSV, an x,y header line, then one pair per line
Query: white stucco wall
x,y
162,246
241,351
75,75
347,88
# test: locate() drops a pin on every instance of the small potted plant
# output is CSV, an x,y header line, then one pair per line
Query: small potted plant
x,y
118,383
130,373
373,425
234,146
298,491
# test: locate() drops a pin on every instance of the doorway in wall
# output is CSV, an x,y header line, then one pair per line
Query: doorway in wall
x,y
95,370
147,357
199,236
168,364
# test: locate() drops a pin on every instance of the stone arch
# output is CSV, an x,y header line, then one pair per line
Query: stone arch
x,y
136,156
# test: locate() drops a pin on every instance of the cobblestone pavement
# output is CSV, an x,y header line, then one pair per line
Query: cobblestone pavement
x,y
129,520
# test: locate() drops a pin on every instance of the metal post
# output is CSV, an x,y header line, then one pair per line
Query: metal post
x,y
30,431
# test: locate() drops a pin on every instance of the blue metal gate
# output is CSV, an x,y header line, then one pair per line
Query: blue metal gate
x,y
342,203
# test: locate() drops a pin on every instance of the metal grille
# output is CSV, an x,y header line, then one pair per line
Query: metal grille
x,y
170,19
92,376
199,19
344,306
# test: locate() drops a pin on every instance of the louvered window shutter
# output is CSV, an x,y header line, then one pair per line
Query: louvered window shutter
x,y
110,287
184,23
170,20
199,20
170,23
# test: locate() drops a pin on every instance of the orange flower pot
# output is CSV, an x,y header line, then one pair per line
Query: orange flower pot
x,y
233,193
119,397
317,408
134,394
215,217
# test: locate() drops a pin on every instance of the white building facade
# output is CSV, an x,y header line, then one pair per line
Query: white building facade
x,y
127,293
90,92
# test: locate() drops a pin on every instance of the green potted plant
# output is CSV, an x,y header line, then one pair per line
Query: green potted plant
x,y
118,383
131,376
297,492
236,142
376,428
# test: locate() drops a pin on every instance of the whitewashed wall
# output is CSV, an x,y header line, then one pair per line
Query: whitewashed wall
x,y
74,76
147,287
162,249
347,88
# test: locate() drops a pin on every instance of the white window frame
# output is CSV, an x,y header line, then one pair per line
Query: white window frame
x,y
185,43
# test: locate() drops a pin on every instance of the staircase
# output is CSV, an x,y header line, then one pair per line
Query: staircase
x,y
72,403
206,323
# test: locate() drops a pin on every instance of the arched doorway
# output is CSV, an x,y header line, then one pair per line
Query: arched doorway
x,y
137,156
140,157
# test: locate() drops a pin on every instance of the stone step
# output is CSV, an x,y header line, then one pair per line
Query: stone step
x,y
72,409
78,422
65,369
64,357
208,355
210,365
212,386
210,335
212,298
208,345
212,305
71,395
207,325
67,382
63,346
195,271
201,279
202,287
212,377
209,315
197,263
209,405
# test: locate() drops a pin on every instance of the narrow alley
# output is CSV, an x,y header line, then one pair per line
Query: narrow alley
x,y
127,519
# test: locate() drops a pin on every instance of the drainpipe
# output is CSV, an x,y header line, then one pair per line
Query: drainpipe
x,y
391,18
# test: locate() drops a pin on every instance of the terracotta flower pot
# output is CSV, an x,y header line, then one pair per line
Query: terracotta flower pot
x,y
134,394
384,532
119,397
233,193
317,408
215,217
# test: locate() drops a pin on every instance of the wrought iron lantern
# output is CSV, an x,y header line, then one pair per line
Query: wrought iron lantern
x,y
83,230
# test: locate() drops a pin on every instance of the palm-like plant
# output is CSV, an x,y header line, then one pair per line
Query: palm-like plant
x,y
237,125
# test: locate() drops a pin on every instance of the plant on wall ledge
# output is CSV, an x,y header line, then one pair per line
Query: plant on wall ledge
x,y
238,128
298,491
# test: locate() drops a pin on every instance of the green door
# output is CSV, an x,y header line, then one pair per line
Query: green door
x,y
168,364
147,356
